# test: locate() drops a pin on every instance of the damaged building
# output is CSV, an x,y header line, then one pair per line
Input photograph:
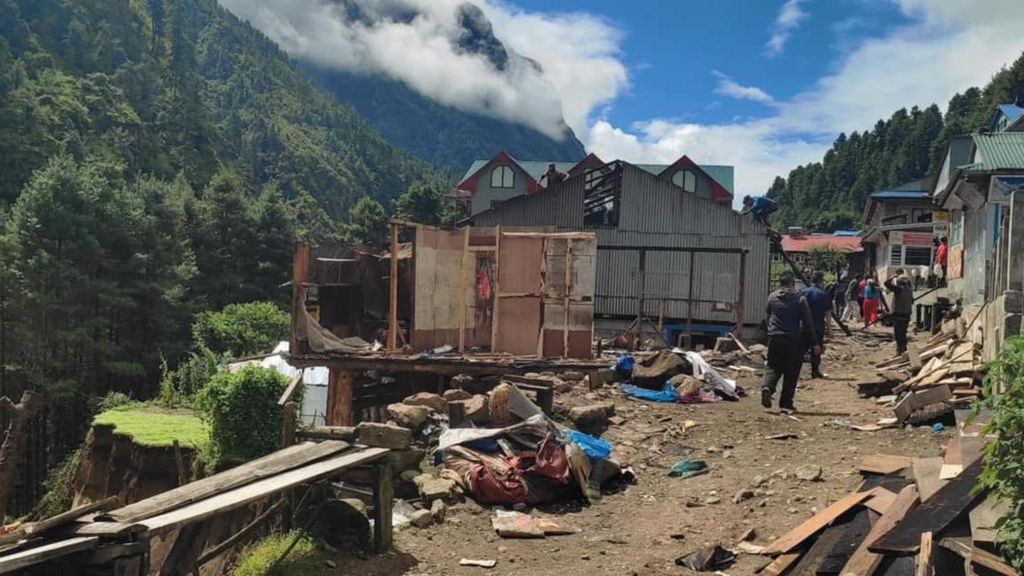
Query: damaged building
x,y
668,254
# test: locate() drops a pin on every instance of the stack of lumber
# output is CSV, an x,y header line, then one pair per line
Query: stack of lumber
x,y
901,520
929,382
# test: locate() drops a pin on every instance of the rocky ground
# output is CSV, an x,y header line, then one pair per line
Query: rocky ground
x,y
767,474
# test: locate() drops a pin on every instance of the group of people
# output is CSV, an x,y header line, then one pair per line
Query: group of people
x,y
798,323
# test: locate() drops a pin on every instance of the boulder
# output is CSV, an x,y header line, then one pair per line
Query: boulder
x,y
420,518
589,416
653,372
437,489
408,416
428,399
383,435
686,385
438,510
476,409
809,472
406,459
456,394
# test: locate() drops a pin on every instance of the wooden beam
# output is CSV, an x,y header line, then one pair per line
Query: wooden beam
x,y
864,562
463,288
881,499
812,525
346,433
292,387
935,514
288,424
268,465
340,394
393,291
496,287
238,497
383,495
70,516
179,460
923,566
780,564
883,463
992,562
300,275
26,558
568,293
237,536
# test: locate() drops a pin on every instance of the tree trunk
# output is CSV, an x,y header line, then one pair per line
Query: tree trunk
x,y
11,451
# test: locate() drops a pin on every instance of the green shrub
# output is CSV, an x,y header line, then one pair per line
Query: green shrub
x,y
1004,457
304,559
113,400
60,488
241,329
178,387
241,409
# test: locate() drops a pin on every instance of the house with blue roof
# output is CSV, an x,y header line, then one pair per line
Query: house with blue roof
x,y
489,183
1008,118
899,229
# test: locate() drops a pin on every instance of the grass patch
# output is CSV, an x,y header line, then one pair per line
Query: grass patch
x,y
305,559
156,426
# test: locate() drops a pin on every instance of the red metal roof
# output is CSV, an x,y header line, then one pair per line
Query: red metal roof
x,y
806,243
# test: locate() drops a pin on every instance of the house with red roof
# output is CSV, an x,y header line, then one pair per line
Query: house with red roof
x,y
799,246
490,183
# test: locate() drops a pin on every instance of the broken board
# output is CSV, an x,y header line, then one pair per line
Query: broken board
x,y
883,463
812,525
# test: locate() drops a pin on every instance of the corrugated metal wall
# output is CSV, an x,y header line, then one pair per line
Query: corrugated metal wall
x,y
976,251
657,214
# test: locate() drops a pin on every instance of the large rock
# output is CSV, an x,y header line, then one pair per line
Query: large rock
x,y
686,385
406,459
420,518
456,394
428,399
437,489
384,435
653,372
591,415
476,409
406,416
438,511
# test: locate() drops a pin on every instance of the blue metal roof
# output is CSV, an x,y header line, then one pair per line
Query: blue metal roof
x,y
1011,111
902,194
849,233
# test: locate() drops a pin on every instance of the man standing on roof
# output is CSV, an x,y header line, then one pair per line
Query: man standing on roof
x,y
552,176
790,327
820,303
759,208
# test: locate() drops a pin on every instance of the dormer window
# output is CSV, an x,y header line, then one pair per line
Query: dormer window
x,y
503,177
685,179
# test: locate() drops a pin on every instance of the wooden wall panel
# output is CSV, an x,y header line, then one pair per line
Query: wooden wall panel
x,y
519,325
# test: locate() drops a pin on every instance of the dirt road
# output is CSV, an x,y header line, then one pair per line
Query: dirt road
x,y
641,530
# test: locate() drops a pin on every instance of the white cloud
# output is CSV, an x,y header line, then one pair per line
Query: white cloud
x,y
729,87
416,42
789,18
943,51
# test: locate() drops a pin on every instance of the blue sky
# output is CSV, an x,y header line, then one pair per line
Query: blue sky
x,y
763,85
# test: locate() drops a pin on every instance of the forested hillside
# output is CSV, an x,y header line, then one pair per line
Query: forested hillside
x,y
830,194
441,134
159,157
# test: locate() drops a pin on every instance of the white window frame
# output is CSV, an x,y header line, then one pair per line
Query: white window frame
x,y
685,179
505,176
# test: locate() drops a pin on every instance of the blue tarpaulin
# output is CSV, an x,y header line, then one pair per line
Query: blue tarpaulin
x,y
594,448
667,394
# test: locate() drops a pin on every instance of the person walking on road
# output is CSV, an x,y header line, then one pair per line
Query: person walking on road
x,y
853,300
820,303
790,327
871,302
902,307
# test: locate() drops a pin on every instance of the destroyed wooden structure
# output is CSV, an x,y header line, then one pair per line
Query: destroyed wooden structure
x,y
689,264
192,529
475,301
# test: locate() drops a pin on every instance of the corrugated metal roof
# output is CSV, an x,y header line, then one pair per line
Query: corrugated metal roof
x,y
901,194
724,175
807,243
1000,151
1011,111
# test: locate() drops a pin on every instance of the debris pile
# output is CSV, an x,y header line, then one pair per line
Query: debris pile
x,y
926,386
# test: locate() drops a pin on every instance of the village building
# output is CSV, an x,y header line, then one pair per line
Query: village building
x,y
900,229
489,183
799,246
672,254
979,184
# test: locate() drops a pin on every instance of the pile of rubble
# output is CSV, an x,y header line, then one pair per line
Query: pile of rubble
x,y
926,385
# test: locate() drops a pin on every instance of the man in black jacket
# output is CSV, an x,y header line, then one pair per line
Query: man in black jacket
x,y
790,332
902,307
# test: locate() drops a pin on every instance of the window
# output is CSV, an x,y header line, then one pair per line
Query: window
x,y
896,255
503,177
918,256
686,180
957,237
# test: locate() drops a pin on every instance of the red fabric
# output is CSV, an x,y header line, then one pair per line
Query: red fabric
x,y
488,488
870,311
942,254
534,477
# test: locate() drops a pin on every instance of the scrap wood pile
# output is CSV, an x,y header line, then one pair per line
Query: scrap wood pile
x,y
903,519
926,385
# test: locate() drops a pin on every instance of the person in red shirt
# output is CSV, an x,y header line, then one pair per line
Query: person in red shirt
x,y
942,258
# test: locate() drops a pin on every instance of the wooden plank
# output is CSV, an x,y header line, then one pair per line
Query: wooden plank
x,y
864,562
268,465
232,499
290,390
883,463
69,516
992,562
985,516
495,309
851,534
923,566
880,500
463,286
818,551
107,530
780,564
926,475
32,556
383,495
340,397
812,525
934,514
915,357
392,291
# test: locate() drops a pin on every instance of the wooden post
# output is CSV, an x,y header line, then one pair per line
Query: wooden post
x,y
393,291
182,476
383,493
301,263
743,292
689,298
456,414
340,387
288,423
496,289
924,556
568,293
463,289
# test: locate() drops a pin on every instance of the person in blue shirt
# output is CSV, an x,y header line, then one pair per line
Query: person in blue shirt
x,y
759,208
820,303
